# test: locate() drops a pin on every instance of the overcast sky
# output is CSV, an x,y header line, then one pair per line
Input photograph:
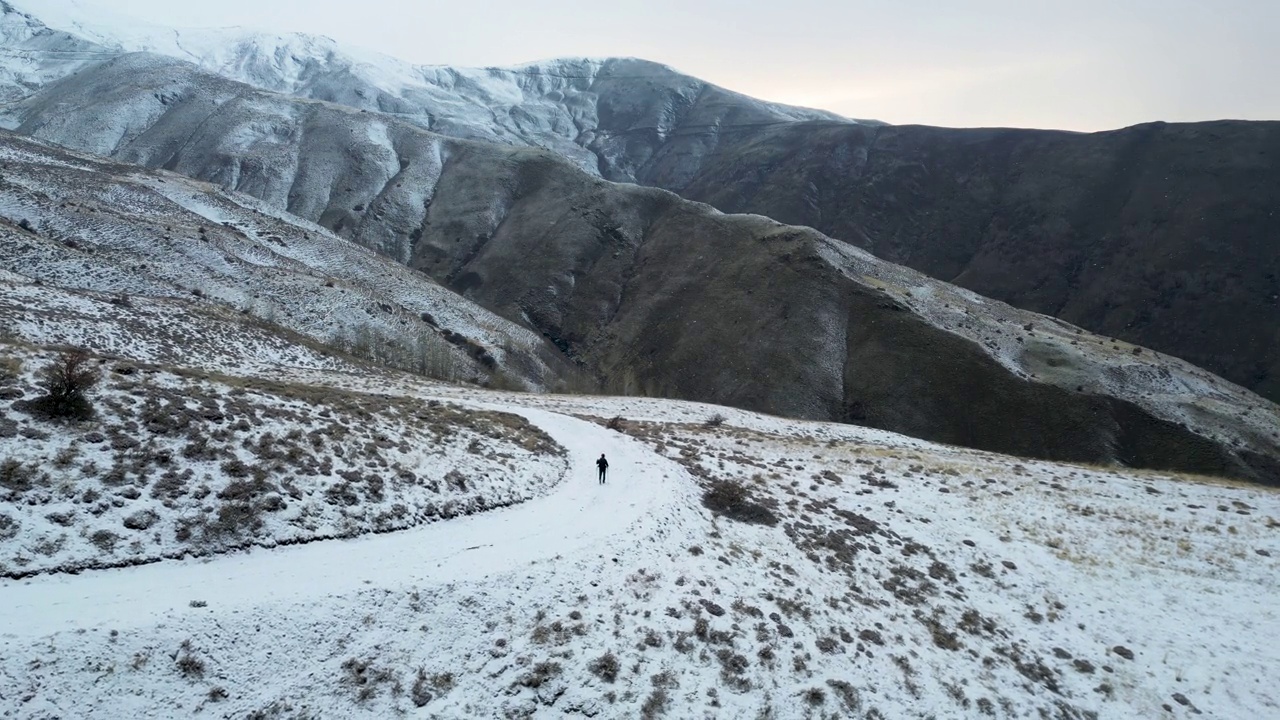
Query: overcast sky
x,y
1079,65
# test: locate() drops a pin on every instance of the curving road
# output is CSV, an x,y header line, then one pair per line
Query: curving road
x,y
577,514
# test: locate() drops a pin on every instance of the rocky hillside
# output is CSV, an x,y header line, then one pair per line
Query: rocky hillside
x,y
78,222
1163,234
662,296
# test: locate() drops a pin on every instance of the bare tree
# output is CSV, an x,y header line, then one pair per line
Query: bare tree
x,y
66,381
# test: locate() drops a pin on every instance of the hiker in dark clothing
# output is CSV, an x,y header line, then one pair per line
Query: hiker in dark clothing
x,y
603,465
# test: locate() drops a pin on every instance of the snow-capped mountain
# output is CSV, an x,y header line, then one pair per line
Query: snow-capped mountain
x,y
615,116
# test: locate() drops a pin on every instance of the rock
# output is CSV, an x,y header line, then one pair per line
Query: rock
x,y
1123,652
711,607
141,520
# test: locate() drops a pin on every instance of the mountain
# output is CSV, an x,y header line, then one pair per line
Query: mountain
x,y
85,223
664,296
617,117
1163,235
1159,235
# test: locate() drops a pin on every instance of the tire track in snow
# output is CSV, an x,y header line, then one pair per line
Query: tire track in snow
x,y
578,515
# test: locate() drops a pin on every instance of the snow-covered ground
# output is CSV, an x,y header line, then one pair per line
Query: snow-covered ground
x,y
874,576
180,463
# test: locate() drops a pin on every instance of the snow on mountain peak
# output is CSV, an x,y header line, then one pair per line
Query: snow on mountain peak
x,y
592,111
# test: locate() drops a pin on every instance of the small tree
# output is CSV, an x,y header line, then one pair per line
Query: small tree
x,y
65,382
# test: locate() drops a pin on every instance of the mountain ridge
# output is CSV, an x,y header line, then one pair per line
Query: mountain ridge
x,y
606,272
577,117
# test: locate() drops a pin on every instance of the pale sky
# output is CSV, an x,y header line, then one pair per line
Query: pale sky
x,y
1078,65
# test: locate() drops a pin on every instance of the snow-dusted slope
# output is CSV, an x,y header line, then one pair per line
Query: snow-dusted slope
x,y
619,117
84,223
899,579
33,54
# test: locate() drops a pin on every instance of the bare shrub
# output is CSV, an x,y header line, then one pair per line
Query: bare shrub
x,y
732,500
605,667
656,704
715,421
8,528
617,422
188,664
234,520
364,678
848,695
66,381
541,673
104,540
15,476
10,369
442,682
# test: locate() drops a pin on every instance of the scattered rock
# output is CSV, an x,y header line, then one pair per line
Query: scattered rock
x,y
711,607
141,520
1123,652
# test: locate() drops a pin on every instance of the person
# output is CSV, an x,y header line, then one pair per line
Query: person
x,y
603,465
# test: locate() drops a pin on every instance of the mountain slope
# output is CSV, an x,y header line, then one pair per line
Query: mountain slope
x,y
1163,235
669,297
86,223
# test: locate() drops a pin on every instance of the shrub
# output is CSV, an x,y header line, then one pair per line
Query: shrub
x,y
10,368
605,667
65,382
617,422
715,421
15,476
540,674
730,499
188,664
8,528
